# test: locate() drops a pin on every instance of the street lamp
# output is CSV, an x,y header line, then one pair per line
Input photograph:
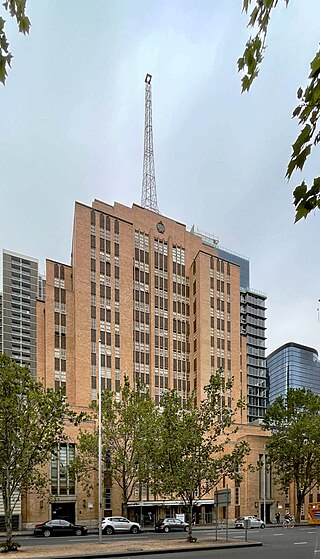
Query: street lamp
x,y
264,487
99,447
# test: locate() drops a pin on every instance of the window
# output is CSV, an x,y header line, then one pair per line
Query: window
x,y
107,498
237,496
62,482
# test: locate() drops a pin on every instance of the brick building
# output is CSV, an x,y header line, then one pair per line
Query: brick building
x,y
166,308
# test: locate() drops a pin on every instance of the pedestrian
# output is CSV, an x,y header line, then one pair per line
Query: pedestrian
x,y
277,517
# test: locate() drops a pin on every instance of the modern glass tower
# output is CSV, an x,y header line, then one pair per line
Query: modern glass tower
x,y
293,366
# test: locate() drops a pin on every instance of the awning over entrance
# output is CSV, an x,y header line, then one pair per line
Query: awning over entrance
x,y
165,503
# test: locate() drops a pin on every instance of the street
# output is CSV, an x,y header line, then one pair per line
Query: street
x,y
278,543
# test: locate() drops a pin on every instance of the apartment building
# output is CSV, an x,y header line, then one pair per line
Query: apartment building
x,y
1,351
20,293
253,329
18,326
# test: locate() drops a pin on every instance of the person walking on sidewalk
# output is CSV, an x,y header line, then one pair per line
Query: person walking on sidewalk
x,y
277,517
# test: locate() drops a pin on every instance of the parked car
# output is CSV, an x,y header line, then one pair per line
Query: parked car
x,y
112,524
253,522
59,527
170,525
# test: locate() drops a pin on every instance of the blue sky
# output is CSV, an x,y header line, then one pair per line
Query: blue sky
x,y
72,118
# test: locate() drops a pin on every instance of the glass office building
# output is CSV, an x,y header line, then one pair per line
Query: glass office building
x,y
293,366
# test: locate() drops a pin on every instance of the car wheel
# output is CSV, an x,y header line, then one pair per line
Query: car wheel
x,y
166,529
262,526
78,532
109,530
46,533
134,530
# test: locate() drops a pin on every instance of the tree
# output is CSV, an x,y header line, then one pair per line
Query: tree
x,y
32,422
17,10
190,455
294,445
306,198
127,424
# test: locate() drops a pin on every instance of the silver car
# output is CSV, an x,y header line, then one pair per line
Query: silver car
x,y
253,522
112,524
171,525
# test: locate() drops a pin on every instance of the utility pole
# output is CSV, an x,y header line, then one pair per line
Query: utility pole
x,y
149,190
99,450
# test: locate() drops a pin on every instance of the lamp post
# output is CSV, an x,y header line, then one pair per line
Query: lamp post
x,y
99,447
264,488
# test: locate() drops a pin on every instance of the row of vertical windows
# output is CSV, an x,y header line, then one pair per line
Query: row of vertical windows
x,y
60,327
105,246
181,324
141,300
104,221
161,313
62,481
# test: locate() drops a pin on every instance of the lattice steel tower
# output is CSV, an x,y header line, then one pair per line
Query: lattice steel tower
x,y
149,189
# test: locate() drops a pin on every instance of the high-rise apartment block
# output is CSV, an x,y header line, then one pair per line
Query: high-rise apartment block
x,y
18,325
293,366
19,299
1,351
253,329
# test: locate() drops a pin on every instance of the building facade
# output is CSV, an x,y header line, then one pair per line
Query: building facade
x,y
253,328
167,309
293,366
19,300
18,325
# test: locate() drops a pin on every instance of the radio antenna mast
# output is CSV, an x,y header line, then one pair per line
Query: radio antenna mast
x,y
149,189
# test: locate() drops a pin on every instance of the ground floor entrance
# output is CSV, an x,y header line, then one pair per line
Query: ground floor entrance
x,y
267,520
66,511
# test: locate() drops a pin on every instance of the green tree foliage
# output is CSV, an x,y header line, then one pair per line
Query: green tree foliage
x,y
306,197
127,425
17,10
294,445
193,449
31,424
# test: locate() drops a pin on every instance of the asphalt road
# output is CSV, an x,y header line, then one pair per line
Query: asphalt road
x,y
296,543
278,543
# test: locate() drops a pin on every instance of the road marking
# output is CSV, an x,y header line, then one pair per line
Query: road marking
x,y
278,534
300,543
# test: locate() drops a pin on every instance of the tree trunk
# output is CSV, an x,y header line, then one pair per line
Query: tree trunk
x,y
125,509
124,493
7,512
300,502
190,538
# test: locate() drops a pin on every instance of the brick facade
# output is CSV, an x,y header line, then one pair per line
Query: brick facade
x,y
167,310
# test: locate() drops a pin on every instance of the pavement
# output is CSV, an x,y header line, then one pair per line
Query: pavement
x,y
134,546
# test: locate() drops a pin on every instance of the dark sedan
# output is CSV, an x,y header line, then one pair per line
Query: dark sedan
x,y
59,528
